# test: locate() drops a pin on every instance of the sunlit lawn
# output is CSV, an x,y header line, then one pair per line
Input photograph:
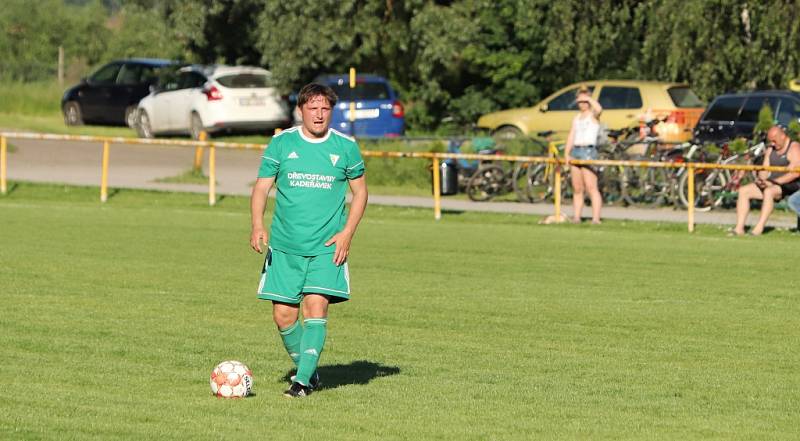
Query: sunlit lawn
x,y
479,326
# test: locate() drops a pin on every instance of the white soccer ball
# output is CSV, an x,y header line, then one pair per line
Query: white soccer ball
x,y
231,379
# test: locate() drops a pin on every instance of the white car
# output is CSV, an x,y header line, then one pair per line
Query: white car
x,y
212,99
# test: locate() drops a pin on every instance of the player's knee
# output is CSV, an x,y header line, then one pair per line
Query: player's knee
x,y
284,317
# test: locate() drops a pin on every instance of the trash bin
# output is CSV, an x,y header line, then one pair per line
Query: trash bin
x,y
448,177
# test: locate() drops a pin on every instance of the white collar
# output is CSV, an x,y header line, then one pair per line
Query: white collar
x,y
314,140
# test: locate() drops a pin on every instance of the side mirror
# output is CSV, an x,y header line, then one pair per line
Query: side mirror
x,y
543,108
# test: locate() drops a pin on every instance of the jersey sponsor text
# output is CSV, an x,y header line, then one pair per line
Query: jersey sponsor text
x,y
310,180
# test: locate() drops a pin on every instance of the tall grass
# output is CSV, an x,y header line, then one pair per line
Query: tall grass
x,y
37,99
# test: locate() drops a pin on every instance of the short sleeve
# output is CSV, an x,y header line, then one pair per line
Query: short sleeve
x,y
355,163
270,160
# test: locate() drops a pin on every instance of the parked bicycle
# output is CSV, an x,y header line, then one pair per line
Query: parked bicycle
x,y
533,182
481,180
720,187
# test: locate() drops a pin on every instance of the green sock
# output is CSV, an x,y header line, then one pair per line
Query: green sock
x,y
311,348
292,338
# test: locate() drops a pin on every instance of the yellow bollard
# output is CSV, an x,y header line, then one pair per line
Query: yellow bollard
x,y
198,154
690,208
557,190
3,158
437,191
104,174
212,174
352,102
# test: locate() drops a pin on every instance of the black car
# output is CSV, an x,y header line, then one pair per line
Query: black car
x,y
111,94
735,115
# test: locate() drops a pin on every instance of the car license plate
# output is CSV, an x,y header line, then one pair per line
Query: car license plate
x,y
252,101
364,113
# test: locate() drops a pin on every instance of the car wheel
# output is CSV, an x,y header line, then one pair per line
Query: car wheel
x,y
130,116
72,114
143,128
507,132
196,126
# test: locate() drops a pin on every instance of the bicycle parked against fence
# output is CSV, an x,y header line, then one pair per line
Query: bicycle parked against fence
x,y
482,179
720,187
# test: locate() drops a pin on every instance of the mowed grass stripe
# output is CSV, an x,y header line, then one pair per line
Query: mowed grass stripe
x,y
480,326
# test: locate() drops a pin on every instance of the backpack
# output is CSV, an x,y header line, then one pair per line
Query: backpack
x,y
602,134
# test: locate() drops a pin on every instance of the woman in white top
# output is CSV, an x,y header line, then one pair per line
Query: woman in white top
x,y
582,144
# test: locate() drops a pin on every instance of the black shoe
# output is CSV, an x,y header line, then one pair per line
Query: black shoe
x,y
313,383
297,390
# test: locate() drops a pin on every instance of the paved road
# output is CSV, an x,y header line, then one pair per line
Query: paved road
x,y
140,166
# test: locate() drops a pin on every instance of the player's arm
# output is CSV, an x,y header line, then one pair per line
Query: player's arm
x,y
358,205
258,203
597,109
570,142
762,175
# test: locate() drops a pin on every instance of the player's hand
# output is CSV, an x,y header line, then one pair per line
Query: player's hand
x,y
342,240
259,237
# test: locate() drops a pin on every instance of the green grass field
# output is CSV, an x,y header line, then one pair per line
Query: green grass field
x,y
476,327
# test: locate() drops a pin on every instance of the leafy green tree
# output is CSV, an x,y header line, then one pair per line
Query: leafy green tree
x,y
299,40
721,45
217,31
142,33
31,32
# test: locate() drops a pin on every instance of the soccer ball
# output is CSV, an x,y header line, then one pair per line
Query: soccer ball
x,y
231,379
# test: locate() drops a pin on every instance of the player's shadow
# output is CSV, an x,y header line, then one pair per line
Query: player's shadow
x,y
356,372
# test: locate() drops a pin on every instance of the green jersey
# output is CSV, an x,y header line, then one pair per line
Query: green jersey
x,y
311,175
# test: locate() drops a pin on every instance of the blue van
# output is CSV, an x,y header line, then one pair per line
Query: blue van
x,y
379,112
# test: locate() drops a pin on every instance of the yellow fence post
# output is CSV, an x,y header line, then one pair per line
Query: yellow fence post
x,y
3,158
557,189
104,174
437,191
212,175
198,154
352,102
690,205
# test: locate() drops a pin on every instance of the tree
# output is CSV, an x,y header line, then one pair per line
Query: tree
x,y
722,45
31,32
142,32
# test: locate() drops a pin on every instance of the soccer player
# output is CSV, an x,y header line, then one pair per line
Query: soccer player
x,y
309,240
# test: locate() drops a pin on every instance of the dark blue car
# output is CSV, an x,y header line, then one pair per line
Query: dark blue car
x,y
111,94
379,112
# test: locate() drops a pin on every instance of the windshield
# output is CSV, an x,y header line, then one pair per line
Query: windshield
x,y
724,109
362,91
684,97
244,81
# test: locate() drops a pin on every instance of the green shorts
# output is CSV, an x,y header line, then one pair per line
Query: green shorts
x,y
286,278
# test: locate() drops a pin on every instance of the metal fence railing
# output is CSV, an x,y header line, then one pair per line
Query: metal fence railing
x,y
435,158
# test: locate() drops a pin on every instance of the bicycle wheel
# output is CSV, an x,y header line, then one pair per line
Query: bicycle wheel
x,y
519,180
488,182
632,185
610,183
709,189
641,185
534,184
